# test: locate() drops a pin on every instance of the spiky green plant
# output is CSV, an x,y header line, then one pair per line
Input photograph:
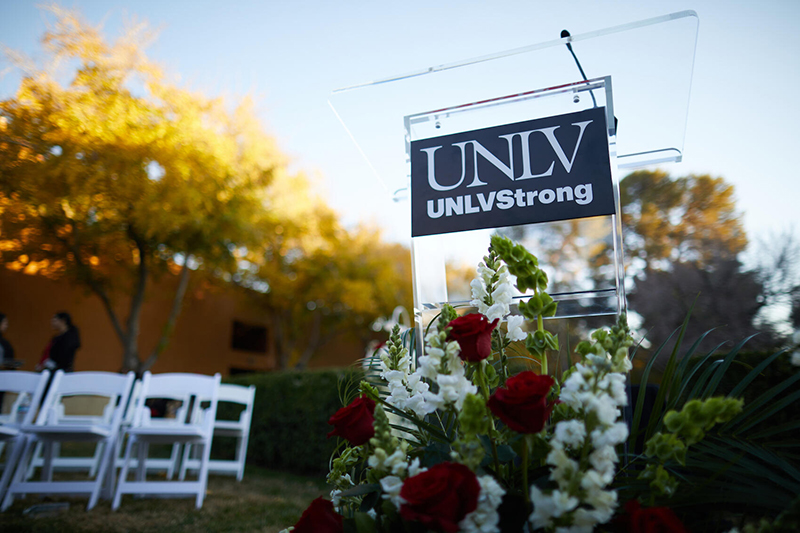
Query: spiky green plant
x,y
748,467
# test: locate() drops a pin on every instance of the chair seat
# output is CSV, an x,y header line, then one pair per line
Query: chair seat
x,y
170,433
228,428
69,432
8,432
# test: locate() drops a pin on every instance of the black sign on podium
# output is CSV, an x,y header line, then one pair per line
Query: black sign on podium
x,y
541,170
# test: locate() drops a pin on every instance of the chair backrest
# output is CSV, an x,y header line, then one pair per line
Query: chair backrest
x,y
180,386
241,395
115,387
29,387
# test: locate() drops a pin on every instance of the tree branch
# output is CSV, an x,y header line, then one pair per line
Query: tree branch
x,y
95,286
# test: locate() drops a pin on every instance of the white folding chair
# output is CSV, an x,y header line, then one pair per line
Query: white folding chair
x,y
167,464
240,429
51,429
195,430
29,388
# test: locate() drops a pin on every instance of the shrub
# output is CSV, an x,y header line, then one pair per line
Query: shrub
x,y
290,418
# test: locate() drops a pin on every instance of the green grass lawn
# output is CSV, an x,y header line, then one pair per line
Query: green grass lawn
x,y
264,501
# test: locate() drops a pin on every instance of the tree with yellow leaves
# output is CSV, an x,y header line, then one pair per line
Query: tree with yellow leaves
x,y
117,176
317,280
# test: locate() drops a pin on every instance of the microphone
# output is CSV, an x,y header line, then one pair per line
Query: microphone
x,y
565,33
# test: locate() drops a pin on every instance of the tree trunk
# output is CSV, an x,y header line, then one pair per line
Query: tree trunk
x,y
282,349
131,349
312,344
169,326
98,289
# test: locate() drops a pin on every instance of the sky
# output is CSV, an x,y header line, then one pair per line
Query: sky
x,y
742,114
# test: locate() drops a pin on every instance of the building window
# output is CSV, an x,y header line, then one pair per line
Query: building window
x,y
249,337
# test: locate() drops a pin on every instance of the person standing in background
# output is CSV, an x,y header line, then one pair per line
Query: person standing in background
x,y
60,353
6,350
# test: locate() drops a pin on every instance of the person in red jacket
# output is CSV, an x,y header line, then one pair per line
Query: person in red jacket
x,y
60,352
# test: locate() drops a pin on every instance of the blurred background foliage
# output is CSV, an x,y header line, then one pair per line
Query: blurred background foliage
x,y
111,176
684,245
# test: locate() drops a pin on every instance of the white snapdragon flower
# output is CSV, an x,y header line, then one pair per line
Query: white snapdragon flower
x,y
415,468
500,294
596,393
796,358
395,463
584,520
485,518
515,331
603,461
614,384
603,501
616,434
391,486
565,467
604,407
571,433
563,502
543,508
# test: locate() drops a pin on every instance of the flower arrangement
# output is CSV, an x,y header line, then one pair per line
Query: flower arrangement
x,y
456,440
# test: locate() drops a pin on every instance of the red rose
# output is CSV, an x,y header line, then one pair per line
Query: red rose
x,y
473,333
319,518
441,497
522,404
651,519
354,422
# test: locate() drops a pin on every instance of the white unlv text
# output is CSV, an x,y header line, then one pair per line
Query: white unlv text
x,y
507,170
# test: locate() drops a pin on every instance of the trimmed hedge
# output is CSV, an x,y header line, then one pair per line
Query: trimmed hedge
x,y
290,418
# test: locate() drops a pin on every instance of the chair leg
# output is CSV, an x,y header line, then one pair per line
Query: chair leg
x,y
98,453
187,456
123,476
37,457
142,449
47,468
100,480
15,448
173,460
241,454
205,450
19,474
111,474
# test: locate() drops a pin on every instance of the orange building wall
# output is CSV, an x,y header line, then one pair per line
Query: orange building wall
x,y
200,343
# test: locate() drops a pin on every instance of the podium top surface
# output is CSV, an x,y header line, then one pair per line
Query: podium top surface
x,y
650,63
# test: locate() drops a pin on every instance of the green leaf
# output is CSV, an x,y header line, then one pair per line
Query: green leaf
x,y
658,404
739,388
370,501
714,383
639,409
360,490
755,405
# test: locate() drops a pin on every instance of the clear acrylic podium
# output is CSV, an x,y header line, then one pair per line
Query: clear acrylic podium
x,y
640,73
